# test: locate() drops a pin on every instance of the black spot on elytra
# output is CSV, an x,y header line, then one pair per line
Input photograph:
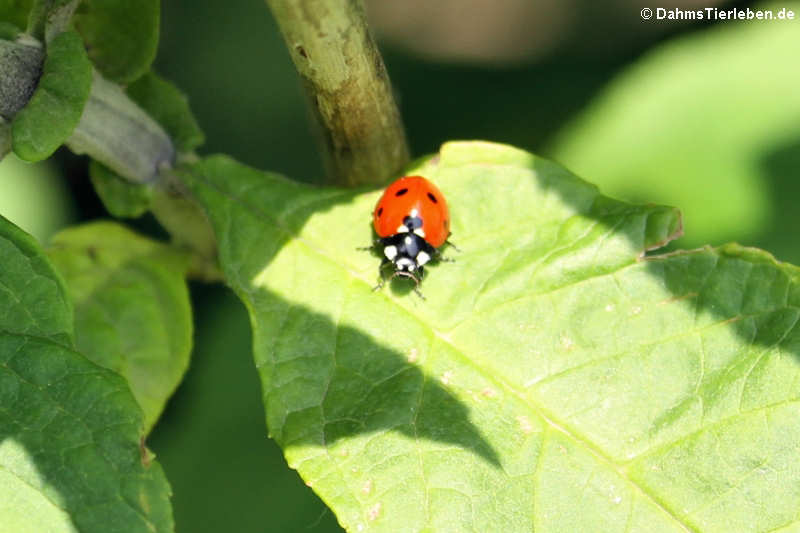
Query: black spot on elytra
x,y
401,192
380,211
433,198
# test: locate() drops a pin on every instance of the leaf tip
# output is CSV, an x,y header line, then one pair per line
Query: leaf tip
x,y
663,226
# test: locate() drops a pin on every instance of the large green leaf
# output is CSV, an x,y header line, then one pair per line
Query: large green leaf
x,y
56,106
121,35
554,379
70,431
132,309
709,122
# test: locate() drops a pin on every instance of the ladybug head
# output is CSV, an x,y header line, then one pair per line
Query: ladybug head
x,y
407,252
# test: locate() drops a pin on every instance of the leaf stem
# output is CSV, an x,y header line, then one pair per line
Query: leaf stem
x,y
347,86
121,135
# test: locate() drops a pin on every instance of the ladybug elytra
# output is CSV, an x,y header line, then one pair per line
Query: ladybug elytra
x,y
412,221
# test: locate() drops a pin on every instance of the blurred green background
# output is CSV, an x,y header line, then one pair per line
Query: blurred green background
x,y
702,115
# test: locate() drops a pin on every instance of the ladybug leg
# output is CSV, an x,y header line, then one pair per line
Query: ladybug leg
x,y
443,259
416,283
419,292
456,248
375,243
381,278
439,257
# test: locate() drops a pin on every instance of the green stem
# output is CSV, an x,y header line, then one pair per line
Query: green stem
x,y
115,131
118,133
347,86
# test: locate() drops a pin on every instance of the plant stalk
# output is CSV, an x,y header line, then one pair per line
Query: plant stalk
x,y
347,87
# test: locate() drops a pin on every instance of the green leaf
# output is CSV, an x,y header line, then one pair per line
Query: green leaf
x,y
15,12
709,122
121,35
121,197
49,18
132,309
8,31
55,107
42,309
169,107
70,431
553,380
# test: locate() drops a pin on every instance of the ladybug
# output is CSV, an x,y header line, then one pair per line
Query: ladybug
x,y
412,221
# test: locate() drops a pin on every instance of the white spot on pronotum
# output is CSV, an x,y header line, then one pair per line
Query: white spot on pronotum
x,y
446,377
524,424
489,393
366,488
390,252
609,307
374,511
402,228
407,241
404,263
422,258
413,355
420,232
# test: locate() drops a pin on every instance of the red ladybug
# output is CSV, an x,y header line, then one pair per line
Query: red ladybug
x,y
412,221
